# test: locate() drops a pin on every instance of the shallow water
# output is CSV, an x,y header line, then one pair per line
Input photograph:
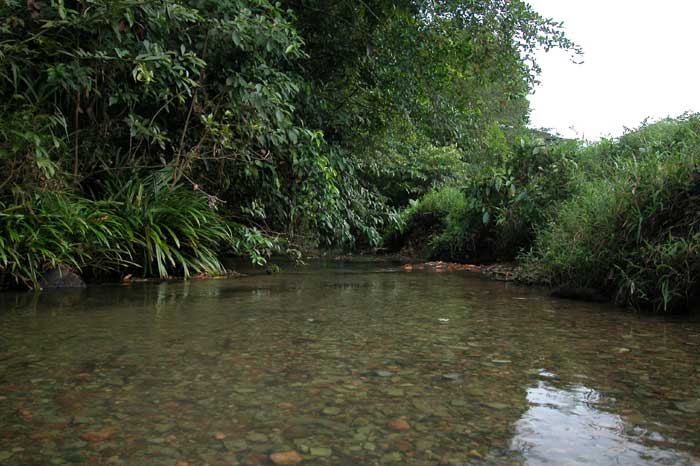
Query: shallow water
x,y
348,364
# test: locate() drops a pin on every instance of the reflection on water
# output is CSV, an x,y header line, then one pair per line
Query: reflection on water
x,y
565,427
347,365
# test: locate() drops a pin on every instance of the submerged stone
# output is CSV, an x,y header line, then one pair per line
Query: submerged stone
x,y
691,407
320,451
331,411
286,458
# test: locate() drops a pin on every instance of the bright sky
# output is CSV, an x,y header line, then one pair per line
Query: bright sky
x,y
641,60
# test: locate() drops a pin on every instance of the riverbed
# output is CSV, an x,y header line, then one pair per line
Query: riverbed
x,y
345,364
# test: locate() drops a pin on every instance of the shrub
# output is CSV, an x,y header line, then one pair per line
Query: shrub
x,y
493,214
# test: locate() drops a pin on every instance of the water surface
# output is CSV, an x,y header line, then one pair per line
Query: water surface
x,y
348,364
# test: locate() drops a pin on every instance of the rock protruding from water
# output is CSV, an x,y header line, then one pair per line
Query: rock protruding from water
x,y
61,277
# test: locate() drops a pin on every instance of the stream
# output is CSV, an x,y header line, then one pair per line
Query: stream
x,y
346,364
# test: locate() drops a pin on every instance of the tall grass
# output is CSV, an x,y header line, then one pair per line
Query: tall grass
x,y
57,228
171,227
632,231
146,225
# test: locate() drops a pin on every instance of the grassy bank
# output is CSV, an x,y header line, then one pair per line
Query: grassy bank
x,y
619,216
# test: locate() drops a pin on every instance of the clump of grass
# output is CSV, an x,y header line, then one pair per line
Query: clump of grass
x,y
146,224
423,227
171,227
57,228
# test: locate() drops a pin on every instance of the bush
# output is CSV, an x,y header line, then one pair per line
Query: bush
x,y
495,211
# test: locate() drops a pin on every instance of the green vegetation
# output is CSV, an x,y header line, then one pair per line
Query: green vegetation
x,y
152,137
632,230
494,210
619,217
143,224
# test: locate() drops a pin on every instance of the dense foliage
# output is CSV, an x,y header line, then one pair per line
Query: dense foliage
x,y
494,210
617,218
182,128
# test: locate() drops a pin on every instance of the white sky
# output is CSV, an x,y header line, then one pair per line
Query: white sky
x,y
642,59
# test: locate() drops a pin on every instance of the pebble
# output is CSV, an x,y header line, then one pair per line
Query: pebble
x,y
256,437
392,457
320,451
235,445
286,458
399,424
98,436
498,406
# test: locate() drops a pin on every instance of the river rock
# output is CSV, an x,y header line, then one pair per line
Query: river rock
x,y
256,437
331,411
320,451
399,424
98,436
691,407
286,458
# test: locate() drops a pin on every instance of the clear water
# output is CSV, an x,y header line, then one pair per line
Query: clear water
x,y
347,364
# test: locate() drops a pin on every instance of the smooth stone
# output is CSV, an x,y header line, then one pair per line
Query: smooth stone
x,y
331,411
286,458
256,437
320,451
235,445
423,445
399,424
74,457
392,457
